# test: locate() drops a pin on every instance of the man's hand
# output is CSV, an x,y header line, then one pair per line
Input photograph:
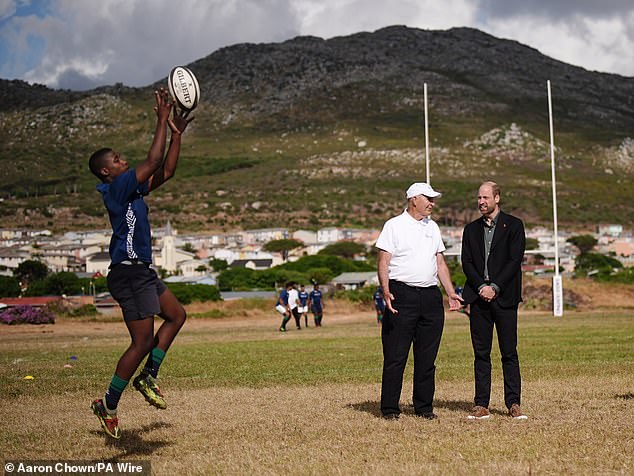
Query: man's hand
x,y
163,106
455,302
487,293
179,122
388,297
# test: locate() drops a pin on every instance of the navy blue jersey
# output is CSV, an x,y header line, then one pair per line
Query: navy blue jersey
x,y
303,298
284,297
315,299
379,303
131,236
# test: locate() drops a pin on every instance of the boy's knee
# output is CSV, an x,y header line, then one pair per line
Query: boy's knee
x,y
179,317
144,345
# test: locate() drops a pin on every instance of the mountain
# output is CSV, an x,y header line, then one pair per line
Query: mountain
x,y
312,132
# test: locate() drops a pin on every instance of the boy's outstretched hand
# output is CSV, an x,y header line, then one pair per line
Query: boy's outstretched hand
x,y
163,104
179,122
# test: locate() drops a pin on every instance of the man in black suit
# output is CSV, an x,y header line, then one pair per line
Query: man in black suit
x,y
492,253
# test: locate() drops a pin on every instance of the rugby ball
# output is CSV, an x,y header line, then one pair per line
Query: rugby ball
x,y
183,87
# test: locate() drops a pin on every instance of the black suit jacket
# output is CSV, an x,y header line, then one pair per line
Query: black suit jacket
x,y
505,259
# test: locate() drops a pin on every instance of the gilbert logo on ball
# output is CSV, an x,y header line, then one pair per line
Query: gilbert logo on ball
x,y
183,87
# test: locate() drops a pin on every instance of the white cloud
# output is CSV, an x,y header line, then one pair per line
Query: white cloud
x,y
328,18
91,42
7,8
600,44
140,41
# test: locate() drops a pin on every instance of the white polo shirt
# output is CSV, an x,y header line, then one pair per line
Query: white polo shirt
x,y
413,245
293,296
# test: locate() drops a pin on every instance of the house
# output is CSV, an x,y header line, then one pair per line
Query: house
x,y
356,280
98,263
206,279
305,236
611,230
264,235
192,268
328,235
252,263
11,258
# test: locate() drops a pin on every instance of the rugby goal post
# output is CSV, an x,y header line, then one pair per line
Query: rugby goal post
x,y
558,291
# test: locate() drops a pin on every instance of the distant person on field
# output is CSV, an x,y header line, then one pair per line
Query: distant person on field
x,y
492,253
282,306
316,304
135,286
303,304
293,304
410,264
379,305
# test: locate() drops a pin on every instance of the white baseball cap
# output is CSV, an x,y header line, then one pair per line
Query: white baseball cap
x,y
421,188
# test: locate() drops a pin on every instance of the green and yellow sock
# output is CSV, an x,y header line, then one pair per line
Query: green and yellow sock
x,y
113,394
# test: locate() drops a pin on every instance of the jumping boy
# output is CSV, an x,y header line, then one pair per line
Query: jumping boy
x,y
131,281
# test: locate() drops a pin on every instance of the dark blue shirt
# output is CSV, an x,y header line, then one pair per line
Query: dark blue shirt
x,y
379,303
131,236
303,298
315,298
284,297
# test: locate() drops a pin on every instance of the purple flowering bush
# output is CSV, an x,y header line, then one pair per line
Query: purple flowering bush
x,y
26,315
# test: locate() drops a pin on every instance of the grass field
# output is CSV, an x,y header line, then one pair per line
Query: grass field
x,y
245,399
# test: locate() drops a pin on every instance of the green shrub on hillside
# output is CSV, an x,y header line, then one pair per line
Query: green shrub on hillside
x,y
188,293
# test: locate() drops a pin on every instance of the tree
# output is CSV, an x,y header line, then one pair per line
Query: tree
x,y
218,264
56,284
9,287
236,279
31,270
585,243
587,262
282,246
345,249
189,248
532,243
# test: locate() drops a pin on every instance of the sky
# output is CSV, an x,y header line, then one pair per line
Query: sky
x,y
81,44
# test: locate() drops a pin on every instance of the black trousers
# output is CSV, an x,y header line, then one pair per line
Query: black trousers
x,y
420,320
484,316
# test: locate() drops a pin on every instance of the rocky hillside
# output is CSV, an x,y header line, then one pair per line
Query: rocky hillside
x,y
313,132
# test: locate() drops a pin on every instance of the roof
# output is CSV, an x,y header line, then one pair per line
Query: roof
x,y
355,278
258,263
101,256
29,301
210,280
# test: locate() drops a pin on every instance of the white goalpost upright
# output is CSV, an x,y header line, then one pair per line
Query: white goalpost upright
x,y
558,298
426,135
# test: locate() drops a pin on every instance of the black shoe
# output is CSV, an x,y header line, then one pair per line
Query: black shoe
x,y
428,415
391,416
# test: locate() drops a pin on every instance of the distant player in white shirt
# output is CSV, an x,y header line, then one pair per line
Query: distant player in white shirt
x,y
293,304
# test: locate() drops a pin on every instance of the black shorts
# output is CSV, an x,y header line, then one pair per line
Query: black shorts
x,y
136,288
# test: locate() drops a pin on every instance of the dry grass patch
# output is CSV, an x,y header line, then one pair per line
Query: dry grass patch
x,y
245,399
576,426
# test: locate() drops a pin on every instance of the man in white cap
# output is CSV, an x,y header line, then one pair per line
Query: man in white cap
x,y
410,265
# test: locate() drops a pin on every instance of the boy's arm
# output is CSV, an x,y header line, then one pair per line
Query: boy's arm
x,y
177,125
155,155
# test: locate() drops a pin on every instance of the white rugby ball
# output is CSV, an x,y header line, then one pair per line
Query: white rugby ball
x,y
183,87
